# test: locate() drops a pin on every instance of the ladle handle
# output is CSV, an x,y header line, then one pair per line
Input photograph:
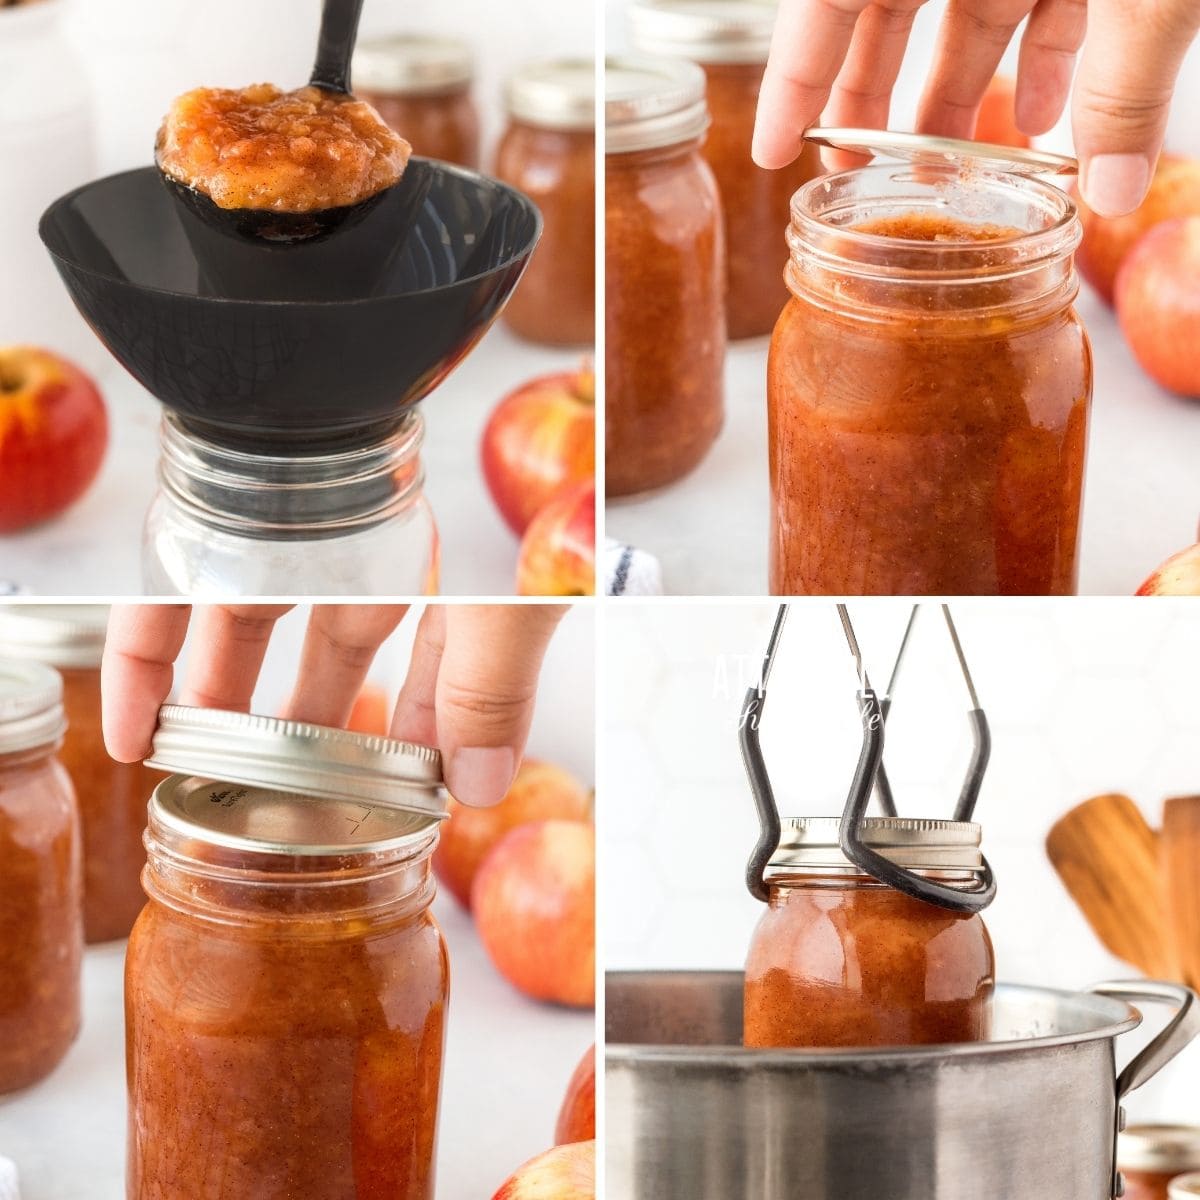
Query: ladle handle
x,y
335,45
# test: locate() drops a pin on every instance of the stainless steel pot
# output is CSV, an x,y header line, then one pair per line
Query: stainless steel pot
x,y
693,1115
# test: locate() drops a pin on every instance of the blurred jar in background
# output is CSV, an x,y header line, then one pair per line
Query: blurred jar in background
x,y
548,152
422,89
730,40
1149,1157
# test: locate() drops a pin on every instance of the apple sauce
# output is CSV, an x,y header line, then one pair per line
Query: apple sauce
x,y
296,152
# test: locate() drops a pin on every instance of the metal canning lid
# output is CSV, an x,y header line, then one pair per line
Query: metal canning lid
x,y
61,635
554,95
922,147
1184,1186
1159,1148
811,843
652,102
706,31
31,709
279,821
307,760
412,64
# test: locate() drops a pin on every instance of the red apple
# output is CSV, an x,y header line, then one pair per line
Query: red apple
x,y
1178,576
540,791
539,438
1158,304
1174,192
577,1117
564,1173
534,901
53,434
997,120
372,712
558,551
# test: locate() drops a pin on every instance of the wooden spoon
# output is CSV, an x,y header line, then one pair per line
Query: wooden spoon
x,y
1107,856
1181,879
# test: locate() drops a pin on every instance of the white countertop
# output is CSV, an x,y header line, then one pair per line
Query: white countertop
x,y
508,1060
1141,504
94,548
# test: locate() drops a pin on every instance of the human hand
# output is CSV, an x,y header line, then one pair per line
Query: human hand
x,y
846,54
470,689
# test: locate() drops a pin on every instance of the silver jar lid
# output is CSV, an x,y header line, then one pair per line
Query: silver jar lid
x,y
315,761
811,844
31,709
1160,1149
706,31
652,102
1184,1186
412,64
61,635
554,95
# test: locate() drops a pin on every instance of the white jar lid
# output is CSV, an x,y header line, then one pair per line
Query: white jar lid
x,y
60,635
706,31
554,95
652,102
410,64
31,710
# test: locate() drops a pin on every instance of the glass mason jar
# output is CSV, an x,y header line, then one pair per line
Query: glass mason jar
x,y
839,959
352,521
421,86
286,984
928,387
41,901
729,39
548,151
1184,1187
1149,1157
111,795
665,277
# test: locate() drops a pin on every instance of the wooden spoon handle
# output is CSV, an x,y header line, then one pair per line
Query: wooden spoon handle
x,y
335,45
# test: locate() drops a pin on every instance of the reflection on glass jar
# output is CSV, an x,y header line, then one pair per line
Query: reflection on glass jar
x,y
341,522
421,86
928,388
839,959
548,151
730,40
1149,1157
665,277
41,900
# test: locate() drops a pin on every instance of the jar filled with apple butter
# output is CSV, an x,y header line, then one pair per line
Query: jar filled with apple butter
x,y
665,276
41,900
111,795
1149,1157
729,39
421,86
929,385
840,959
548,151
286,984
1183,1188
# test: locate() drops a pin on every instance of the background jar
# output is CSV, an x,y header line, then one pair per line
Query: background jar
x,y
839,959
1149,1157
41,901
421,87
548,151
928,399
351,521
730,39
111,795
665,277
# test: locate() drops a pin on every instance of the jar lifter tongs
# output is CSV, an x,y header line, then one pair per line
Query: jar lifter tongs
x,y
870,776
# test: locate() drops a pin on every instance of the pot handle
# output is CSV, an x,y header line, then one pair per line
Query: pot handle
x,y
1178,1032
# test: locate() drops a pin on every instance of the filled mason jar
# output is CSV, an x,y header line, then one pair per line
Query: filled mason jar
x,y
1185,1187
344,521
421,86
665,276
928,387
1149,1157
548,151
41,900
840,959
286,984
111,795
730,39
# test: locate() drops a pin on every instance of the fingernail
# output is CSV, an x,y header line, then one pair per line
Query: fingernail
x,y
480,775
1115,184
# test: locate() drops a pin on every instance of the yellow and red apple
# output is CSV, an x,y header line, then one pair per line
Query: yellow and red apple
x,y
577,1116
564,1173
558,551
1178,576
997,119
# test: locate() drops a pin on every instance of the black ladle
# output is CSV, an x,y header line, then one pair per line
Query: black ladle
x,y
331,73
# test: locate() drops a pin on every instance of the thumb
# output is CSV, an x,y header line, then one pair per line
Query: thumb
x,y
1127,73
486,688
